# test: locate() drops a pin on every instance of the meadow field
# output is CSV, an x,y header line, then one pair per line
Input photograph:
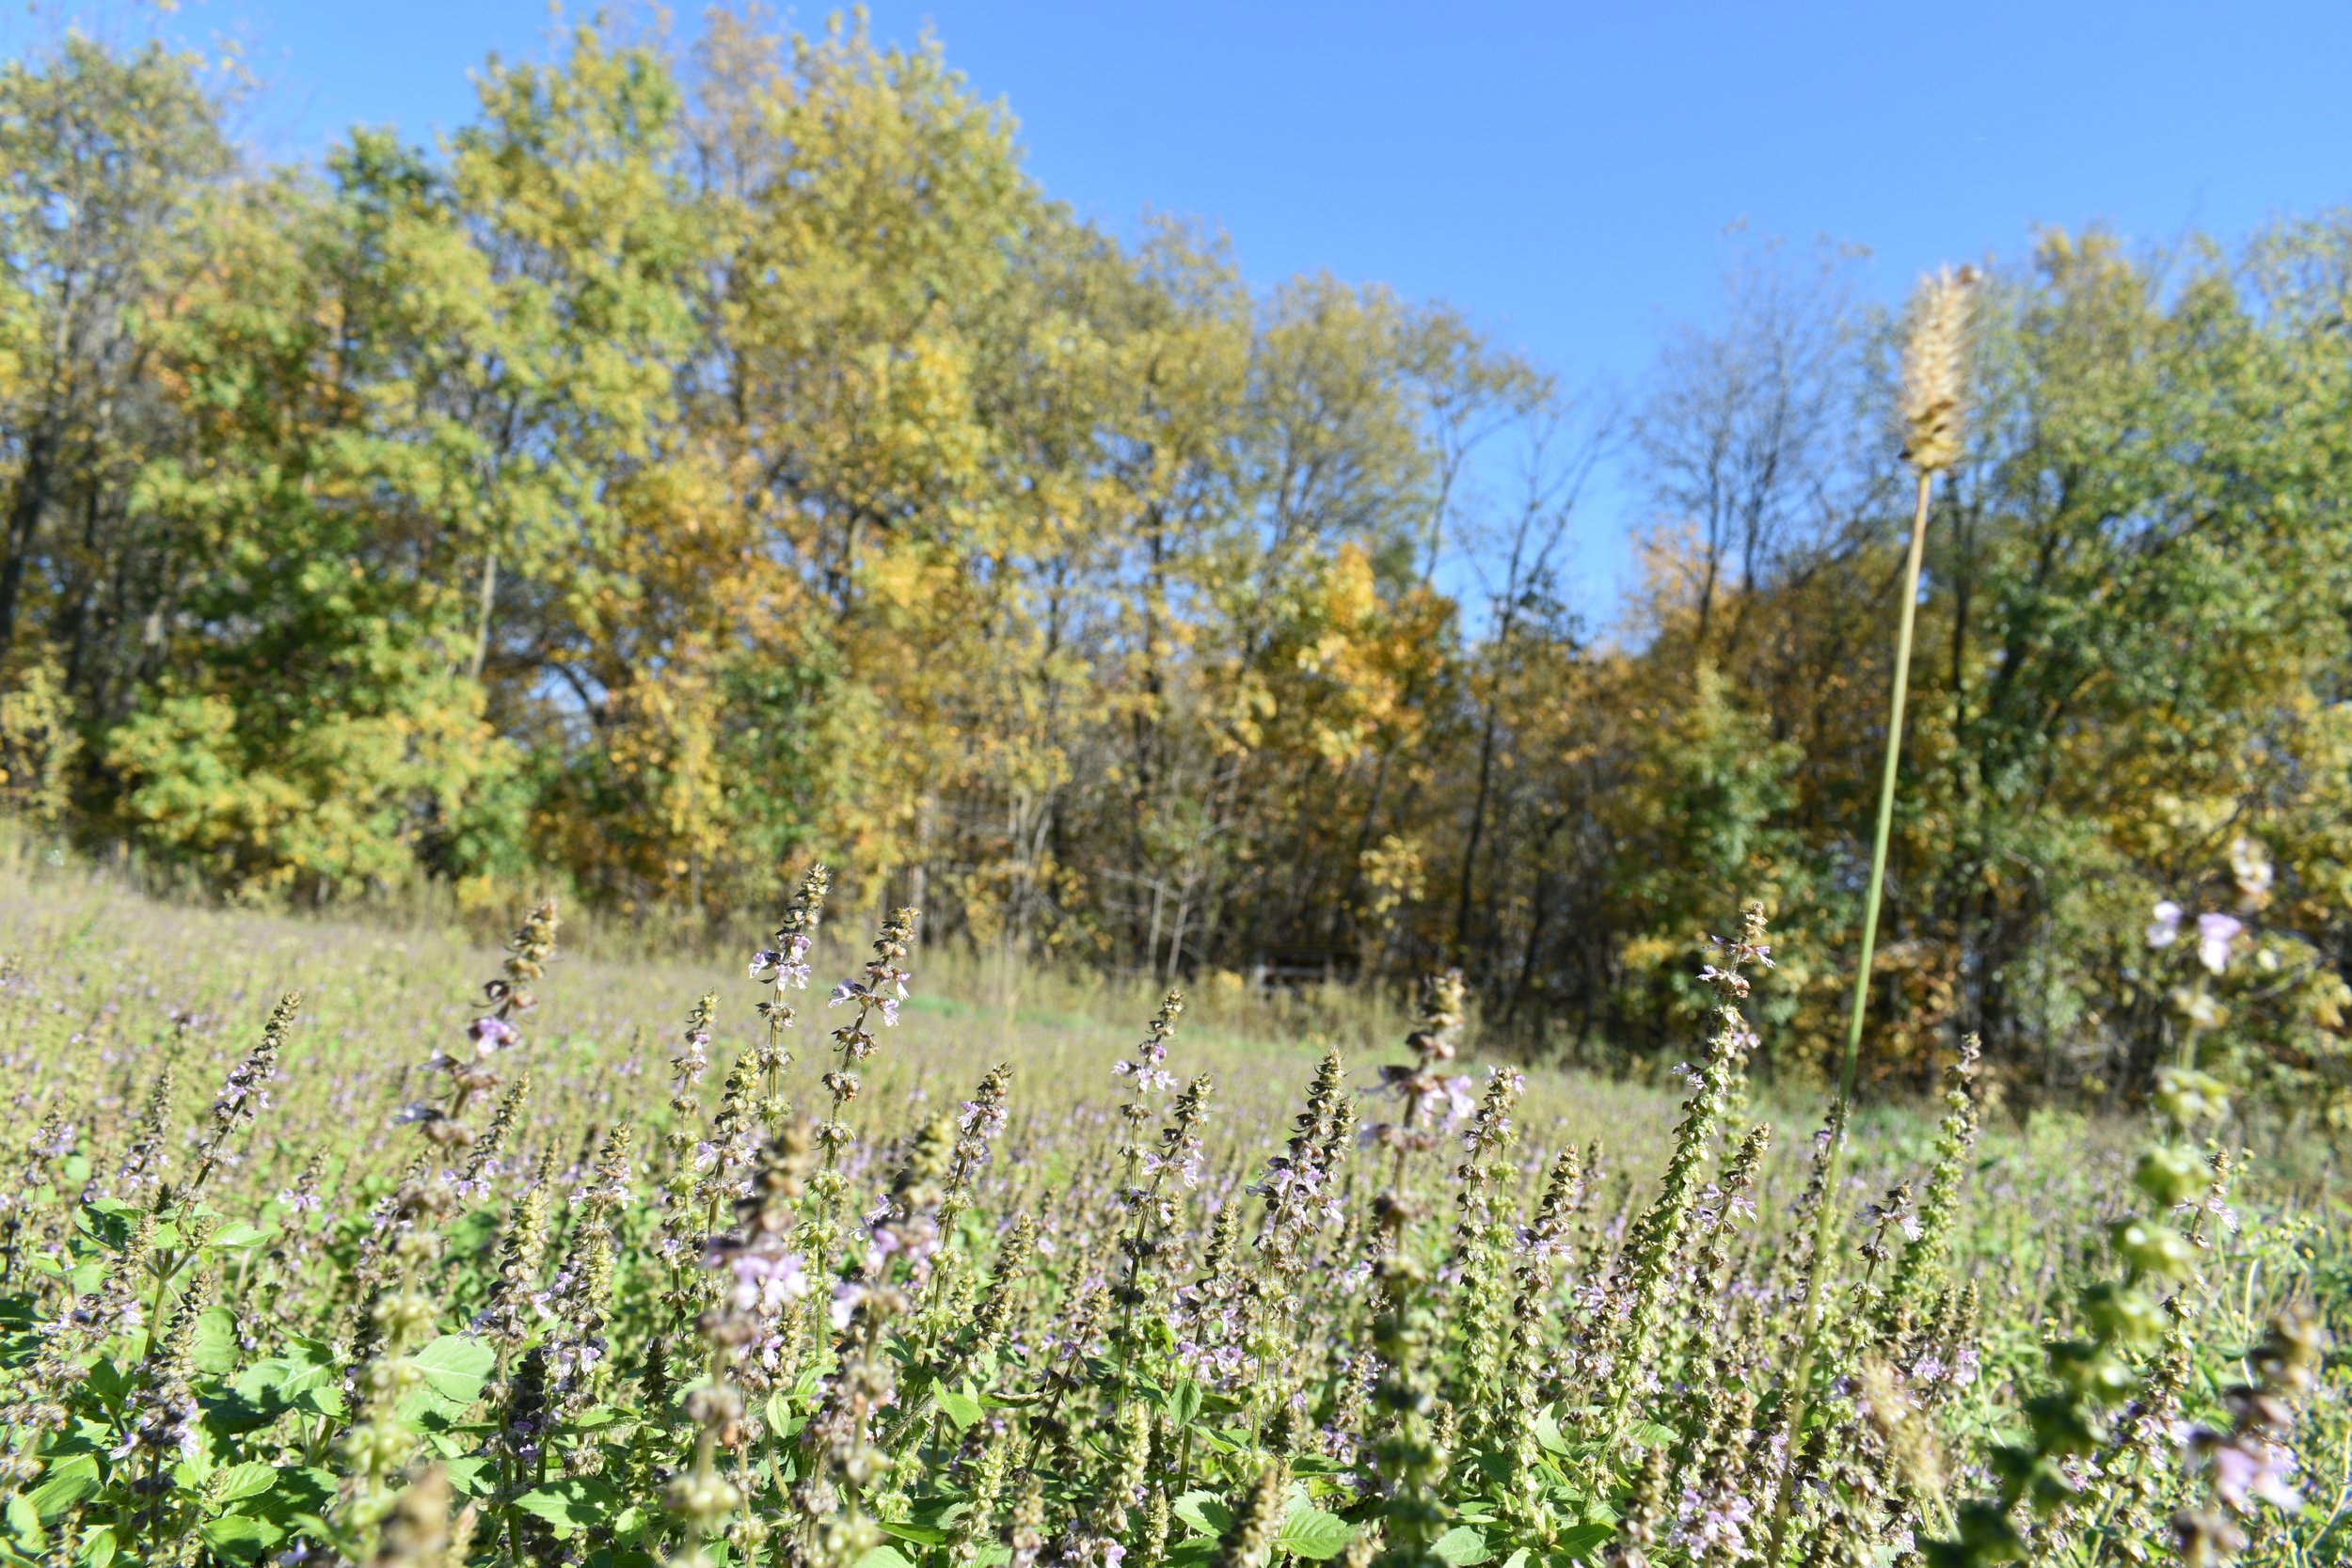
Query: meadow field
x,y
728,839
607,1264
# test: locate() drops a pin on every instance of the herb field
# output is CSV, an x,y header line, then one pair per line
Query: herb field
x,y
469,1257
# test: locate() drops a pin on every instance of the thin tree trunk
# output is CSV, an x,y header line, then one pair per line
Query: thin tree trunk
x,y
484,600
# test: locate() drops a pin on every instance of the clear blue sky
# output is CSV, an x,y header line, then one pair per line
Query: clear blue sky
x,y
1563,173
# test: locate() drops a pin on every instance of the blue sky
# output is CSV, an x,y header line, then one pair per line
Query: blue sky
x,y
1566,173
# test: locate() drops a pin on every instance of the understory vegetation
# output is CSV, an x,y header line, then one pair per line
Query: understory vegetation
x,y
613,1265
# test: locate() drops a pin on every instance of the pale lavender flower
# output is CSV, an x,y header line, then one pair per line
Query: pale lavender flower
x,y
2214,932
2247,1470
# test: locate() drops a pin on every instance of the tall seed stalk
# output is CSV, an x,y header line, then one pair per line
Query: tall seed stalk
x,y
1934,408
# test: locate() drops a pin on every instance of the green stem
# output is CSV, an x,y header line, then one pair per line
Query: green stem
x,y
1825,1221
1910,608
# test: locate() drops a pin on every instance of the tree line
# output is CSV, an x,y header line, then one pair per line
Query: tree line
x,y
711,459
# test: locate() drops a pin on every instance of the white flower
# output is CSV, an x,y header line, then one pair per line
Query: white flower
x,y
2214,932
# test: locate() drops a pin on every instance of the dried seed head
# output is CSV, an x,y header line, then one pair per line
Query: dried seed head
x,y
1934,396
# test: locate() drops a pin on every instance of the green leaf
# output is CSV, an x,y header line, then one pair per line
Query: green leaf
x,y
922,1535
1184,1402
241,1537
70,1480
454,1369
1205,1511
98,1548
23,1522
108,1382
248,1480
324,1400
1548,1433
961,1408
1651,1435
466,1474
1461,1546
233,1414
216,1348
1312,1533
1517,1559
573,1504
240,1233
297,1492
885,1556
1578,1540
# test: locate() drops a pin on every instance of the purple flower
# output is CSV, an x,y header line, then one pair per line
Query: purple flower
x,y
492,1033
2165,929
2214,932
766,1281
2247,1470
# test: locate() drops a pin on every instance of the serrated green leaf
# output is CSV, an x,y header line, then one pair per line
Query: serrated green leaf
x,y
240,1233
1225,1439
98,1548
297,1492
1578,1541
466,1474
1205,1511
248,1480
69,1481
573,1504
885,1556
961,1408
1312,1533
1461,1546
1547,1432
216,1348
242,1537
23,1522
454,1369
324,1400
1184,1402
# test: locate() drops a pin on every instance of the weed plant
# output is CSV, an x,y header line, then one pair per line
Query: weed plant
x,y
514,1259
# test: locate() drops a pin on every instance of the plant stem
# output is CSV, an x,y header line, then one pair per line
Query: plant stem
x,y
1825,1221
1909,612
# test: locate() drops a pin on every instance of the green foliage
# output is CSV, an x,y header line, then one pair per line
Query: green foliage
x,y
698,462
